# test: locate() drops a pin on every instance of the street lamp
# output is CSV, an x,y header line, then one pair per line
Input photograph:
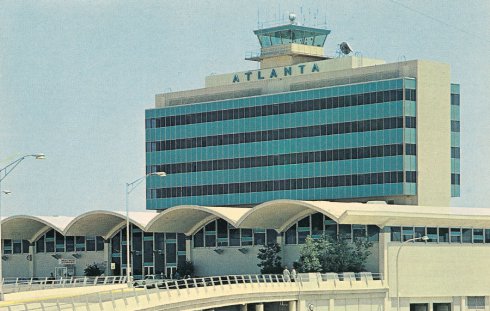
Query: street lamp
x,y
423,238
4,172
129,188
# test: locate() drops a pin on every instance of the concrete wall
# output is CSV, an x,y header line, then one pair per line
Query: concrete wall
x,y
231,261
16,265
44,263
433,134
439,270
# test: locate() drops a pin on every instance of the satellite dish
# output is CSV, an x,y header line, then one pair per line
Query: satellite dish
x,y
345,48
292,17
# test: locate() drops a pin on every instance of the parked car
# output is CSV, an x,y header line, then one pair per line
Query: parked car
x,y
150,281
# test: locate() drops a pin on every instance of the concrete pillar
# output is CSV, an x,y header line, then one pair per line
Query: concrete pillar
x,y
292,305
463,303
280,241
188,248
384,238
259,307
331,305
30,257
243,307
107,257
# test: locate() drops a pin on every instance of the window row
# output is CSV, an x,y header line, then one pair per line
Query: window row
x,y
152,253
286,184
279,134
441,235
455,99
455,179
220,233
455,152
317,224
281,108
285,159
54,242
455,126
15,247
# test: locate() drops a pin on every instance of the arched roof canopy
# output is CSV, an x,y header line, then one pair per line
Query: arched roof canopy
x,y
106,223
24,227
279,214
189,218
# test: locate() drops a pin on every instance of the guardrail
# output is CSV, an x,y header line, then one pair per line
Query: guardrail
x,y
122,299
12,285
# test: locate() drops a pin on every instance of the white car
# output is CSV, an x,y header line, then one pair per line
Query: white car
x,y
150,281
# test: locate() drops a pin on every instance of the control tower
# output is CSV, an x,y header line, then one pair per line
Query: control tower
x,y
290,45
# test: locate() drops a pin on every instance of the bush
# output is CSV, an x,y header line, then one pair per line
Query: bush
x,y
186,268
334,255
93,270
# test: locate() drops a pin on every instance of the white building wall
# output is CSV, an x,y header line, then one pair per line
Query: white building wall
x,y
16,265
439,270
45,263
231,261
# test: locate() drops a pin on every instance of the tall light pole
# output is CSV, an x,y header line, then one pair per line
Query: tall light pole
x,y
129,188
4,172
423,238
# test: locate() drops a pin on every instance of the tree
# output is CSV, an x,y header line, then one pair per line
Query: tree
x,y
270,261
93,270
344,255
309,260
334,255
186,268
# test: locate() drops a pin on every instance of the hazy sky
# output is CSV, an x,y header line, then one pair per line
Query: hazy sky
x,y
77,76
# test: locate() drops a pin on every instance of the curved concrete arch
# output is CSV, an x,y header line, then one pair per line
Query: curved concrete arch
x,y
103,223
190,218
25,227
280,214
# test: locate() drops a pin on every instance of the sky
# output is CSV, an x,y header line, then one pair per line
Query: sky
x,y
77,76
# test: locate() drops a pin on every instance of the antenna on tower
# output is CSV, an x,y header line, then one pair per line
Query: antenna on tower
x,y
258,18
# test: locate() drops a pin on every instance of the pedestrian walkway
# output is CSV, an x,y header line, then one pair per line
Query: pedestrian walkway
x,y
54,294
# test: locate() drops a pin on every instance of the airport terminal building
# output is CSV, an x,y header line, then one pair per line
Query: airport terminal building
x,y
304,146
308,127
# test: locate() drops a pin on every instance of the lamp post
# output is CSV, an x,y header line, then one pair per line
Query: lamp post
x,y
4,172
129,188
423,238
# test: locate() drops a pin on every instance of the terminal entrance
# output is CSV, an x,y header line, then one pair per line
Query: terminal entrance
x,y
60,272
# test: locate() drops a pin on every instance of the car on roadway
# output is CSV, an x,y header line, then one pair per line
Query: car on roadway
x,y
150,281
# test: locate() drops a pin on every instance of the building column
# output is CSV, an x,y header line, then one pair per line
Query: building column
x,y
280,242
384,238
331,305
243,307
463,303
188,247
30,257
292,305
107,257
259,307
